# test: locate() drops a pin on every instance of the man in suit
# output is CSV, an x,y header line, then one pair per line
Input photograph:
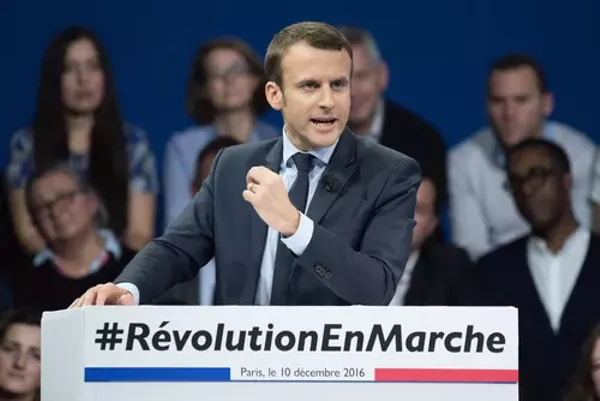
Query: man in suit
x,y
550,275
437,273
341,235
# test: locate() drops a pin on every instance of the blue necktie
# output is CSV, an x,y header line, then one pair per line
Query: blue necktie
x,y
284,259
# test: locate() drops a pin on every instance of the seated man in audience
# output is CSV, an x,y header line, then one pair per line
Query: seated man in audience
x,y
482,213
199,290
20,340
385,121
80,254
436,273
551,275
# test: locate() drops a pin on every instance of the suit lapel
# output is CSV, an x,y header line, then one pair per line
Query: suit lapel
x,y
258,228
338,171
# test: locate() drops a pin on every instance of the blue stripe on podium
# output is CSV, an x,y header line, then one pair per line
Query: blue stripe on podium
x,y
157,374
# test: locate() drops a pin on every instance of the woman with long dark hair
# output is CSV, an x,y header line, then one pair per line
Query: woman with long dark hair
x,y
77,119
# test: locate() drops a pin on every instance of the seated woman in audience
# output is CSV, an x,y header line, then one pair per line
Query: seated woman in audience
x,y
586,382
20,338
81,252
225,97
77,119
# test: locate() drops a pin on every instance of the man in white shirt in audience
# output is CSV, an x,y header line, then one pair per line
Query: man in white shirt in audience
x,y
482,212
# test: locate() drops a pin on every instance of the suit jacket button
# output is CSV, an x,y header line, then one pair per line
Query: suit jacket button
x,y
320,270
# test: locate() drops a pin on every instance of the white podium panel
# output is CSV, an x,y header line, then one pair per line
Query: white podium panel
x,y
246,353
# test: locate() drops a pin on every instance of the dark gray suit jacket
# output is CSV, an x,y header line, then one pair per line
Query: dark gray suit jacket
x,y
363,212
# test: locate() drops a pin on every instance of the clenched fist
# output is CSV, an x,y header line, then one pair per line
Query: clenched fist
x,y
266,192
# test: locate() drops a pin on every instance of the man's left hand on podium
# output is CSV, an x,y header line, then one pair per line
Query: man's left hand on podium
x,y
104,294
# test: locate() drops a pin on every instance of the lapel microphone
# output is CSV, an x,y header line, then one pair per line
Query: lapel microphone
x,y
330,182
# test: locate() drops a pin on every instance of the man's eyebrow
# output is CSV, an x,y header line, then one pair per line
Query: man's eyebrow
x,y
342,80
308,81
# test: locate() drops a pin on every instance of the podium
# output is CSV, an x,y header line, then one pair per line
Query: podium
x,y
251,353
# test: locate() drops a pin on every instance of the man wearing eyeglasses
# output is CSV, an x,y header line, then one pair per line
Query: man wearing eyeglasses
x,y
550,275
79,253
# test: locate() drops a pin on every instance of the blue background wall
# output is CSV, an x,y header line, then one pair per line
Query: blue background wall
x,y
438,51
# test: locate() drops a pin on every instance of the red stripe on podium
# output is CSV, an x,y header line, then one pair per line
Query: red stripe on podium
x,y
447,375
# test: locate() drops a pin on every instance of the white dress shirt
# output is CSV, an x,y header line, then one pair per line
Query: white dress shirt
x,y
376,129
297,242
406,279
555,275
482,212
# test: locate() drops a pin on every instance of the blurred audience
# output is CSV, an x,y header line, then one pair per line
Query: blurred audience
x,y
80,199
20,337
77,119
586,381
482,213
201,289
80,252
225,98
436,273
551,275
375,116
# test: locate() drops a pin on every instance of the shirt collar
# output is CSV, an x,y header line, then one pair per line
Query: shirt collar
x,y
322,154
377,123
111,246
539,245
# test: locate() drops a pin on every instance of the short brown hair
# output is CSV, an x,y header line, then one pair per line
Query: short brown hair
x,y
361,37
316,34
513,61
198,106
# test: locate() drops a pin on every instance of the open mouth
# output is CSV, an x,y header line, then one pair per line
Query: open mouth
x,y
324,121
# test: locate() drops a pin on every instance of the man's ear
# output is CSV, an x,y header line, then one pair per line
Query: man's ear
x,y
274,95
568,180
383,75
548,104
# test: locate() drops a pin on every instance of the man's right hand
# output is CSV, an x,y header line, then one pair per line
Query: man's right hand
x,y
104,294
